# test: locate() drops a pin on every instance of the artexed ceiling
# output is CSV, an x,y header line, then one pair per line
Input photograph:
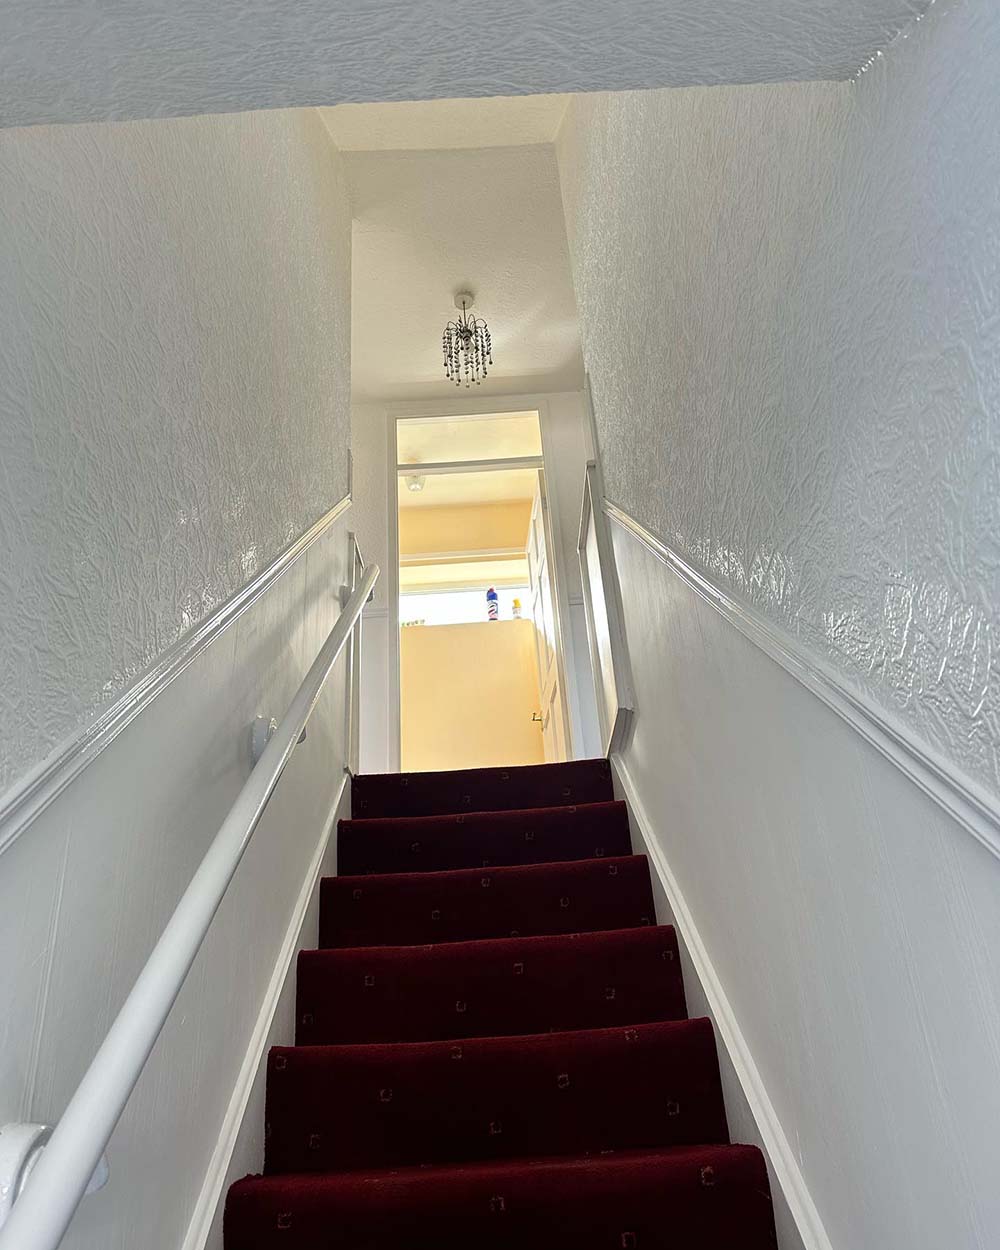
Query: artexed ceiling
x,y
90,61
429,223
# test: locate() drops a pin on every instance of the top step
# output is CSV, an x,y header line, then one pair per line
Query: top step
x,y
380,795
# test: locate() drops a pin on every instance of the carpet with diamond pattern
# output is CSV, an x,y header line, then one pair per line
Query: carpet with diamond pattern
x,y
492,1047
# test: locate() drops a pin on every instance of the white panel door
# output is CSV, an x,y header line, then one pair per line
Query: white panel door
x,y
552,710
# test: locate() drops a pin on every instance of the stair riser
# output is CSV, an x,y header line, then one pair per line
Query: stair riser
x,y
482,839
481,789
687,1200
489,989
418,908
377,1106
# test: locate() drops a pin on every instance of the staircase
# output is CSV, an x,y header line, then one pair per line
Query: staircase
x,y
493,1051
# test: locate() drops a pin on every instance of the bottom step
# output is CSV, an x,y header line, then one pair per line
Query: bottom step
x,y
686,1198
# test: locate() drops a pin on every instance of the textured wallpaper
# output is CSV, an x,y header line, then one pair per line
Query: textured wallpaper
x,y
153,58
790,304
174,390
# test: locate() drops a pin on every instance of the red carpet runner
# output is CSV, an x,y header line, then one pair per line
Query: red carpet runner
x,y
492,1044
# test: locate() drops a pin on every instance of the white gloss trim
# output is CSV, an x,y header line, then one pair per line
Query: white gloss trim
x,y
778,1148
32,795
965,800
468,466
213,1189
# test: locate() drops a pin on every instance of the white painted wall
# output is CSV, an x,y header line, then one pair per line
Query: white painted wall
x,y
80,62
86,891
369,515
743,1126
379,725
852,924
788,307
175,357
566,448
369,519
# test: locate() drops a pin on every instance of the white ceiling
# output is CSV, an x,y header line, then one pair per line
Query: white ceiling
x,y
449,489
428,223
89,61
502,121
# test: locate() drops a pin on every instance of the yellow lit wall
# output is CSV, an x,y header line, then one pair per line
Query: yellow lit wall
x,y
462,527
467,693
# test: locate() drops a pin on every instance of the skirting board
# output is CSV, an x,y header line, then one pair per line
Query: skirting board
x,y
30,797
212,1191
965,800
776,1144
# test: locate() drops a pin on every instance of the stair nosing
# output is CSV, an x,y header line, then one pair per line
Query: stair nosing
x,y
688,1024
369,878
441,949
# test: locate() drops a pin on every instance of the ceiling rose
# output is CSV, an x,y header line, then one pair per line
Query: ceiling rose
x,y
467,345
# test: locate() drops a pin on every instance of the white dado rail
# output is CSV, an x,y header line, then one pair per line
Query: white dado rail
x,y
46,1175
605,619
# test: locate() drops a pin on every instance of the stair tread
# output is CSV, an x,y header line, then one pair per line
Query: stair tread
x,y
480,789
530,835
491,987
410,909
700,1197
369,1105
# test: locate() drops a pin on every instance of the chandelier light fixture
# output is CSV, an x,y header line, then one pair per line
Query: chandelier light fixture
x,y
467,346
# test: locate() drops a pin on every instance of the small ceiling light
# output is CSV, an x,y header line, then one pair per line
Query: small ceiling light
x,y
415,482
467,346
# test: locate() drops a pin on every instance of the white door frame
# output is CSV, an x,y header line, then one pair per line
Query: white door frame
x,y
469,407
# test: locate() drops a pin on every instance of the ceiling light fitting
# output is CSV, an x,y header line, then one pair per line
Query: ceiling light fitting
x,y
467,346
415,481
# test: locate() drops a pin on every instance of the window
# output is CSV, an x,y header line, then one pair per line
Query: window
x,y
458,607
446,440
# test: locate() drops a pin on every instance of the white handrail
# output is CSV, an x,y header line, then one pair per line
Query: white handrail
x,y
357,571
606,635
42,1213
